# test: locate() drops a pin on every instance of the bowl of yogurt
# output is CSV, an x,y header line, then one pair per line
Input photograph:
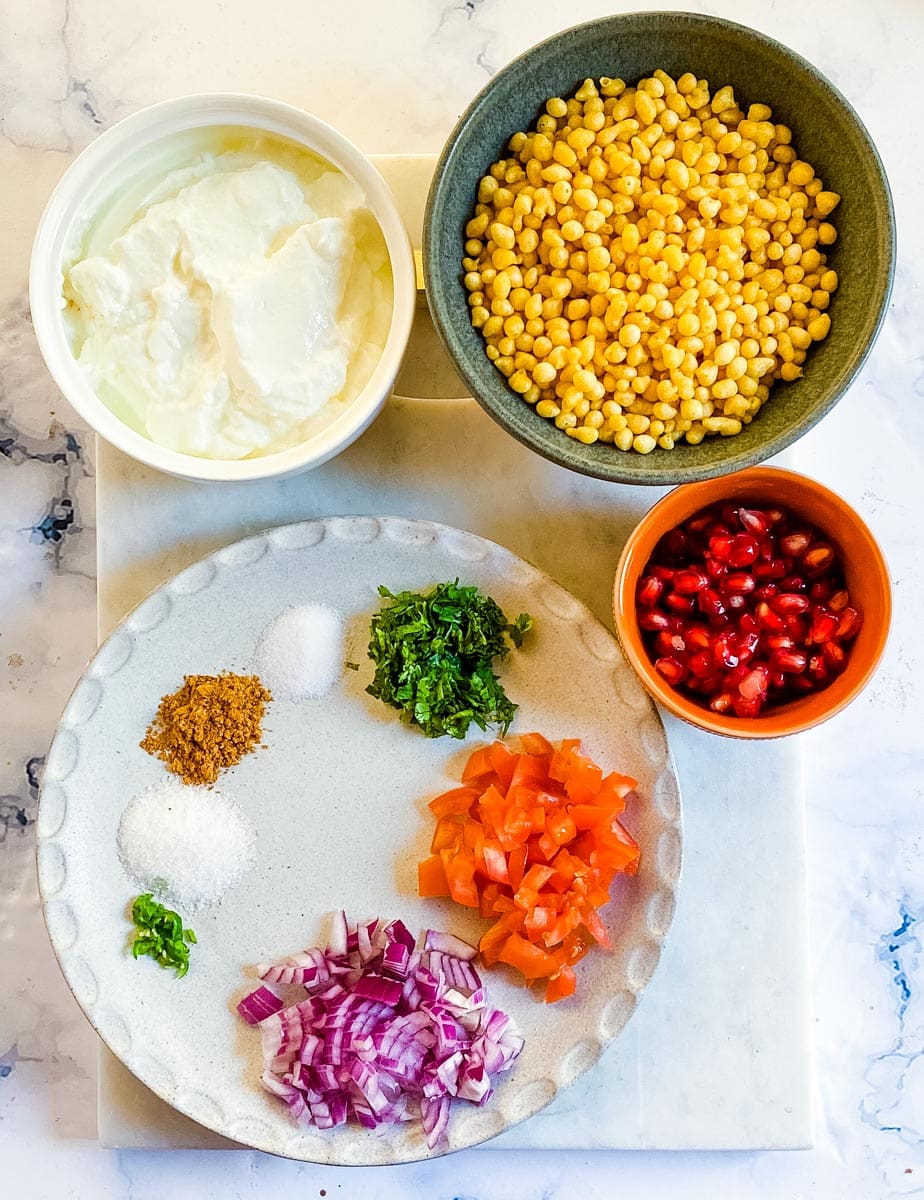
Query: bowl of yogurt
x,y
223,288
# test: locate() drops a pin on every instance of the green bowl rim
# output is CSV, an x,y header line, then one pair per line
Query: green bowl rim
x,y
570,456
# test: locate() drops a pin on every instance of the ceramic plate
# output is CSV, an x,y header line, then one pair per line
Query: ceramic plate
x,y
338,801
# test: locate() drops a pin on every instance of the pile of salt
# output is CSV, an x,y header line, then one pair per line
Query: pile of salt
x,y
185,844
300,654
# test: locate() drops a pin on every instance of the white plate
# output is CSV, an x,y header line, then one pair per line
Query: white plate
x,y
338,800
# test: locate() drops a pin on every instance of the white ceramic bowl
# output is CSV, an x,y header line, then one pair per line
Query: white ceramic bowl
x,y
96,173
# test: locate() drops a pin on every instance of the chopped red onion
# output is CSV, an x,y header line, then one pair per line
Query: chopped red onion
x,y
385,1034
259,1005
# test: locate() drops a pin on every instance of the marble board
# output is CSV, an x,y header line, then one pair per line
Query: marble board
x,y
718,1054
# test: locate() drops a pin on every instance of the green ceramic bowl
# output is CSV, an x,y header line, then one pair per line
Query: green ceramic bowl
x,y
826,131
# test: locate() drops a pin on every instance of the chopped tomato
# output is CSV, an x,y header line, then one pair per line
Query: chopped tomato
x,y
455,803
560,985
533,841
431,878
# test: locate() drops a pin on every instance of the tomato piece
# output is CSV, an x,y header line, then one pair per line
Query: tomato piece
x,y
460,875
560,765
431,877
492,942
529,771
478,765
503,763
530,960
547,847
584,779
492,808
535,743
596,928
447,835
516,865
495,861
516,829
560,827
560,985
537,877
616,786
489,894
456,802
539,920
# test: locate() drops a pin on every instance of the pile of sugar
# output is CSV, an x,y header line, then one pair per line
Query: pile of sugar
x,y
186,844
300,654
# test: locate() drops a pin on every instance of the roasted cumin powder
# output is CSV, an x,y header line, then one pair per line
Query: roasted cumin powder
x,y
209,724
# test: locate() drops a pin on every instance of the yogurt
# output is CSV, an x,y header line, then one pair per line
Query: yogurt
x,y
237,302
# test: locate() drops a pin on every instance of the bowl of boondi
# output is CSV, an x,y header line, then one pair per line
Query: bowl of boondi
x,y
659,247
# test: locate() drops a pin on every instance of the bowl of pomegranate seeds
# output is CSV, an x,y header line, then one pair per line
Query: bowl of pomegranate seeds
x,y
755,605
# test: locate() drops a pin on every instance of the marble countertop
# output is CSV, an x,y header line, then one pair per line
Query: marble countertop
x,y
69,68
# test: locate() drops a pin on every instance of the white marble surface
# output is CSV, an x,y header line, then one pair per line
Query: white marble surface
x,y
394,77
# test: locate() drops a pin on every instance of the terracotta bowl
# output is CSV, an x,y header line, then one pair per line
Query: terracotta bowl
x,y
865,569
826,131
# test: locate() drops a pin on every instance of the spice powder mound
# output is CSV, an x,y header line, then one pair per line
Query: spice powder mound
x,y
209,724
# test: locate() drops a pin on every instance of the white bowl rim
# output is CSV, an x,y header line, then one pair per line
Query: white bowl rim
x,y
151,124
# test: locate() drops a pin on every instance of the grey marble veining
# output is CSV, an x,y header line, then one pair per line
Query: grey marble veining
x,y
394,79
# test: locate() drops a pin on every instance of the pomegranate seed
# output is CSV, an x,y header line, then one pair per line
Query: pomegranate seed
x,y
752,521
849,624
777,680
729,514
736,601
722,702
701,665
835,656
790,662
654,621
697,638
724,651
838,601
774,516
747,645
747,708
680,604
777,641
797,626
700,523
743,550
821,590
749,624
674,544
720,547
671,670
687,583
650,590
794,545
818,668
824,625
669,643
792,583
766,591
739,582
710,603
776,568
756,682
714,568
802,683
768,618
818,559
665,574
788,603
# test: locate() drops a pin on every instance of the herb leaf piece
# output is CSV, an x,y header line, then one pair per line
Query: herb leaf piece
x,y
434,656
160,934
